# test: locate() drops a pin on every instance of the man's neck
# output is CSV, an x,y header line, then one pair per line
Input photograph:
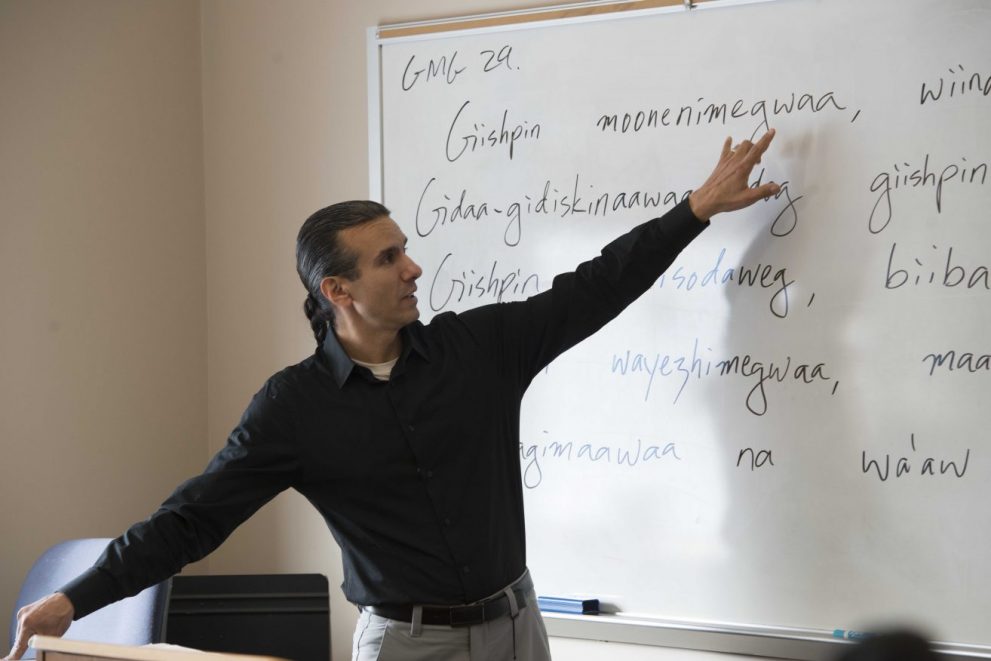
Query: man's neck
x,y
370,347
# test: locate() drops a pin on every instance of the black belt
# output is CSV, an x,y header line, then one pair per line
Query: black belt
x,y
462,615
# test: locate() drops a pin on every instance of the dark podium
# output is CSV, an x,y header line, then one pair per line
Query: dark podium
x,y
283,615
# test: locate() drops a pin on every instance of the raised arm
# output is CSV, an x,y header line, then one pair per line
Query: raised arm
x,y
532,333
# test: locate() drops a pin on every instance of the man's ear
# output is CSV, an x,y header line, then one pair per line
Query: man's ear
x,y
334,289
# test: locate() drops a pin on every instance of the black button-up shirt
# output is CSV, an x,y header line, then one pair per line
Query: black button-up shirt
x,y
418,477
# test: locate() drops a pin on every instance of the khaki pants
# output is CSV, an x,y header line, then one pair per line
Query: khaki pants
x,y
524,638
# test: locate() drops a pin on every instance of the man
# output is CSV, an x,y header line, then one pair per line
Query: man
x,y
404,436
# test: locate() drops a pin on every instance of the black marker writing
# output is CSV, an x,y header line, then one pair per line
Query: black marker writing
x,y
701,112
947,273
438,208
766,373
904,175
930,466
963,361
492,284
465,136
442,69
960,84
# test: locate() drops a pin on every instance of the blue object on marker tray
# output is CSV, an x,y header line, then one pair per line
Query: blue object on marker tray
x,y
851,635
562,605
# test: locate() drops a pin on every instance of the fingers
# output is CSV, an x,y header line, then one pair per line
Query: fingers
x,y
761,146
728,187
20,646
767,190
749,196
743,149
23,636
727,149
50,616
765,140
763,192
749,152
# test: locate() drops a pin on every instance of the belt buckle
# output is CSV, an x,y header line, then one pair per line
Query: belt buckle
x,y
466,616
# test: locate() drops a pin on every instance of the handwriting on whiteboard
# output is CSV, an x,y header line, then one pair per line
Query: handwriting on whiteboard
x,y
699,364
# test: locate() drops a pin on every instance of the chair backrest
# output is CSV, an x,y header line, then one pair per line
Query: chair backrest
x,y
137,620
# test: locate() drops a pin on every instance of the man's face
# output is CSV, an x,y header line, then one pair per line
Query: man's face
x,y
383,293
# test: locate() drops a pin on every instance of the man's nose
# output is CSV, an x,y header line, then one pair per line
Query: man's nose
x,y
413,270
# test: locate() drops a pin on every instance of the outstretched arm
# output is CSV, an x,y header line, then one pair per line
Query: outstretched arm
x,y
258,462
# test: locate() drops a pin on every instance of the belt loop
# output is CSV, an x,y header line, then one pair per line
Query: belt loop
x,y
416,626
514,608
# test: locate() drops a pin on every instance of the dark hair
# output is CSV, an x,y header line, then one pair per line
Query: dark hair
x,y
319,255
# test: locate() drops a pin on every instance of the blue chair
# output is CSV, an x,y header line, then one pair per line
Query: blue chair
x,y
137,620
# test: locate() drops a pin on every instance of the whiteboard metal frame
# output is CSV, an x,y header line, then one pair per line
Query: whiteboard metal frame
x,y
535,25
766,641
374,54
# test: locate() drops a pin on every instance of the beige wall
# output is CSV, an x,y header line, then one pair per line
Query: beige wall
x,y
151,190
102,269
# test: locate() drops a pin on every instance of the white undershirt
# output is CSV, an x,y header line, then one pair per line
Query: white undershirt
x,y
380,371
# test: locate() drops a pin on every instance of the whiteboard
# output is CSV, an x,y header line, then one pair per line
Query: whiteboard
x,y
790,428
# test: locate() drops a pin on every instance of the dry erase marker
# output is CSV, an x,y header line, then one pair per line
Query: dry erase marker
x,y
563,605
851,635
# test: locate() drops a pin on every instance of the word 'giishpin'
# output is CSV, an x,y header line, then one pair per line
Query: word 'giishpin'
x,y
461,139
904,176
493,285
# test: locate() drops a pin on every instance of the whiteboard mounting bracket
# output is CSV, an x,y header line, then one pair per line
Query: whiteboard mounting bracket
x,y
689,4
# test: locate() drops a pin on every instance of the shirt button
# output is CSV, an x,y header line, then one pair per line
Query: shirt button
x,y
466,569
430,474
447,522
411,428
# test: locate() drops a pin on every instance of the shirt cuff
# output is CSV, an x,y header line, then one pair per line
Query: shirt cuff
x,y
680,224
90,591
692,213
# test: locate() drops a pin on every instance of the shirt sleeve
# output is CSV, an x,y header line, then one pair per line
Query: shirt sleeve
x,y
532,333
258,461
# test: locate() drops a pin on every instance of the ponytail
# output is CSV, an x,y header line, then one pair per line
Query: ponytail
x,y
318,318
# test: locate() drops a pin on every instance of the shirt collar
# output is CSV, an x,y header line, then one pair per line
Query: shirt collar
x,y
341,364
